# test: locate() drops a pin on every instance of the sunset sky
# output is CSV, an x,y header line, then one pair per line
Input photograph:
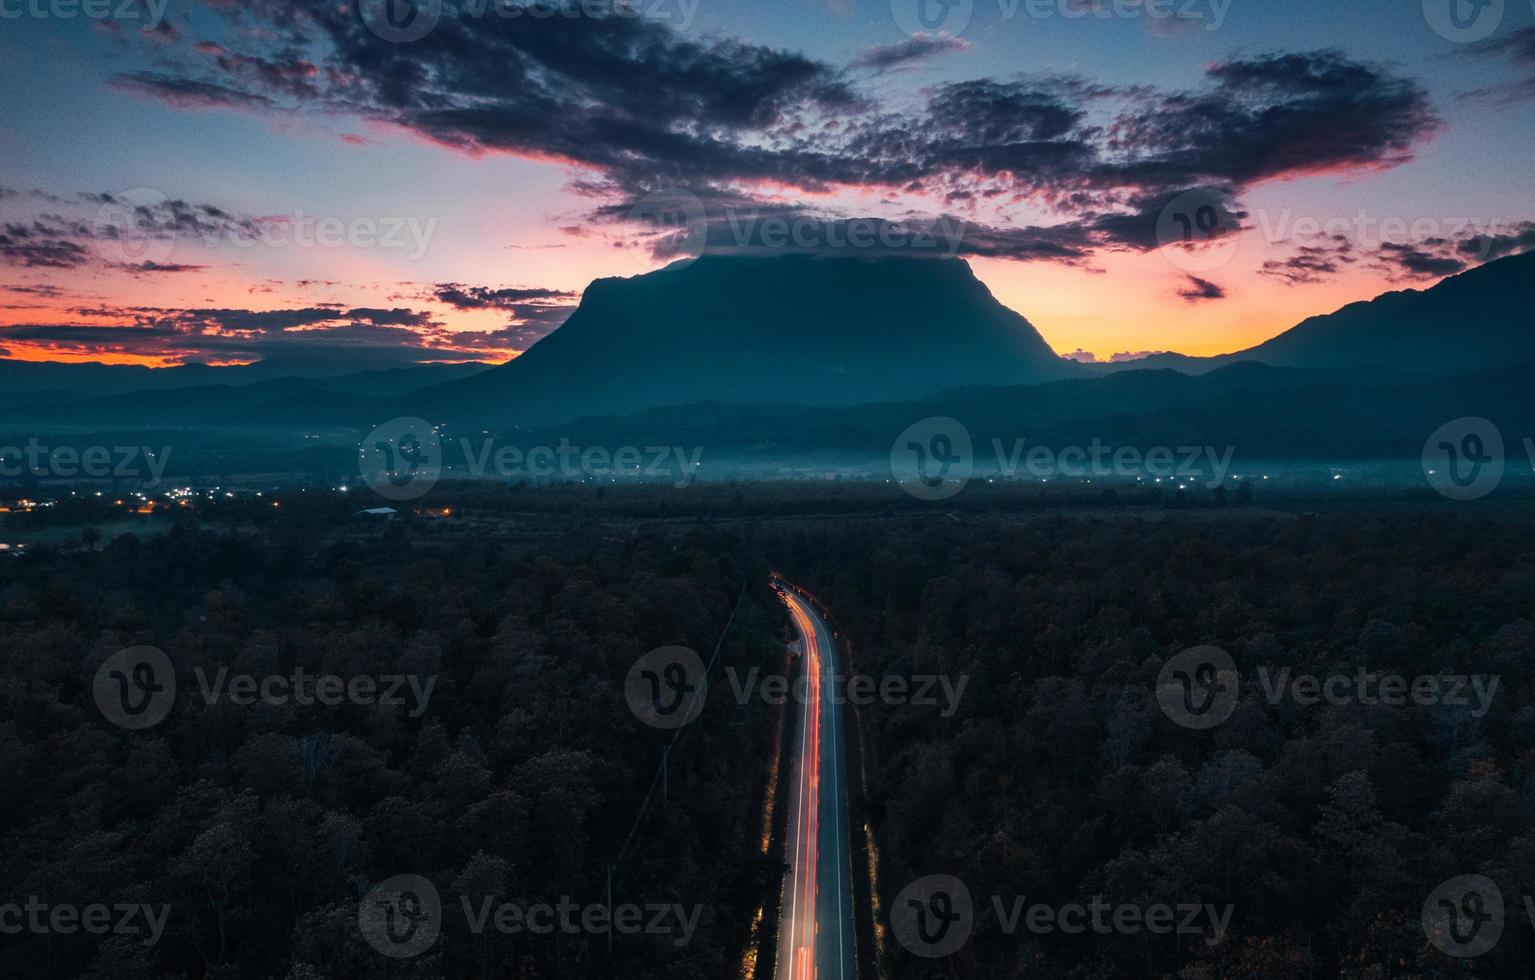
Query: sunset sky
x,y
231,180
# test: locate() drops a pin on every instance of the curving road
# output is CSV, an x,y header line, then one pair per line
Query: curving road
x,y
815,937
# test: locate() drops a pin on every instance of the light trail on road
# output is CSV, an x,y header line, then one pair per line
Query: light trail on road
x,y
816,922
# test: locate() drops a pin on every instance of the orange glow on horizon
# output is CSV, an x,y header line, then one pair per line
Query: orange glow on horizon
x,y
39,354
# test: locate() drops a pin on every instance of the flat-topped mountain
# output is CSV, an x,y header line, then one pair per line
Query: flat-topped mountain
x,y
803,329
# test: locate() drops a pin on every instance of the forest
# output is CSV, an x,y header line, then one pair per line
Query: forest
x,y
256,829
1323,827
1318,828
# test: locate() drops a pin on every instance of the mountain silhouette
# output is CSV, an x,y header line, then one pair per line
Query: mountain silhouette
x,y
1481,318
1478,320
34,394
733,345
744,329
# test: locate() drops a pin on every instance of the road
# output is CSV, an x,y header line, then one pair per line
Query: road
x,y
815,932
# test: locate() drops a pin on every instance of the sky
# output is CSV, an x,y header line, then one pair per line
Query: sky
x,y
387,182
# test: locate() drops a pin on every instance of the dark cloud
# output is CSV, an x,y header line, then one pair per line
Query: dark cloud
x,y
83,334
908,52
1200,290
984,115
122,217
1430,259
119,229
1311,263
1519,48
1270,117
345,343
1426,258
42,291
1071,243
1266,118
289,74
152,267
536,311
1501,242
397,317
400,336
186,93
636,107
464,297
616,93
40,245
51,226
1144,221
250,321
223,321
775,230
43,254
748,227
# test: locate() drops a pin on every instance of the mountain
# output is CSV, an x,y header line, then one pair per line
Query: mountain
x,y
1480,319
1262,413
95,394
810,330
118,379
827,353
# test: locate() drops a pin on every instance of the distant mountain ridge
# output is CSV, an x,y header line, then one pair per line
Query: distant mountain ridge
x,y
1259,411
115,379
93,394
1480,319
